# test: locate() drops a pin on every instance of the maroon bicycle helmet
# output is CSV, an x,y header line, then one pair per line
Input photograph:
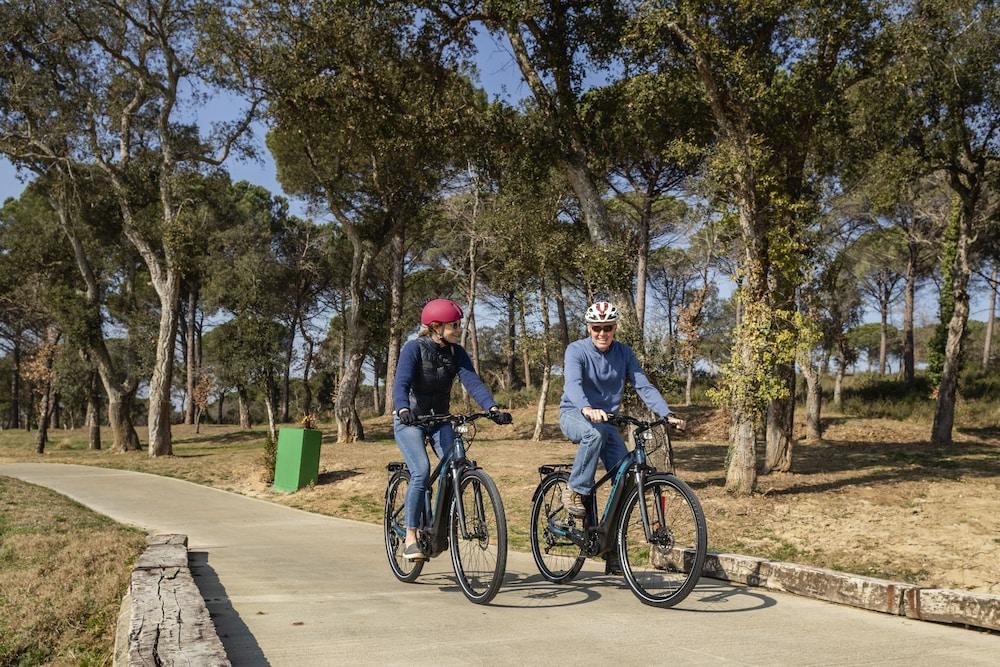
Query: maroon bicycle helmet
x,y
440,310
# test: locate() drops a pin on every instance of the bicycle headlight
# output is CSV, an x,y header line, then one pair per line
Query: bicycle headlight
x,y
462,428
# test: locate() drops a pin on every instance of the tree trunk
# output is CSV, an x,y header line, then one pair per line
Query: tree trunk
x,y
781,424
525,356
511,361
688,384
160,408
348,423
124,437
347,415
286,379
243,399
269,392
220,404
376,394
838,385
944,410
306,370
469,331
741,473
396,288
93,419
56,418
908,294
543,394
814,397
563,328
15,382
641,264
190,358
474,340
991,318
883,336
44,414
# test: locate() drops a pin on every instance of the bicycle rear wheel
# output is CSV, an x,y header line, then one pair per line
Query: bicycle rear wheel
x,y
557,557
479,547
663,571
395,528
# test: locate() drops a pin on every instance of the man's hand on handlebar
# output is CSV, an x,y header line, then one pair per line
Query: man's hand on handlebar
x,y
676,422
595,415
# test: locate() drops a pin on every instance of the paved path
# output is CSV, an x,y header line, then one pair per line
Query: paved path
x,y
287,587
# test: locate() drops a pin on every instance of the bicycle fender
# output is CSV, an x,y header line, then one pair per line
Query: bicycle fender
x,y
538,488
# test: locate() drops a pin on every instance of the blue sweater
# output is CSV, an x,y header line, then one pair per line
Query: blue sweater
x,y
597,379
426,372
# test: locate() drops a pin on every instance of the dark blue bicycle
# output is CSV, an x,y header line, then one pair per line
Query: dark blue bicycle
x,y
652,525
466,511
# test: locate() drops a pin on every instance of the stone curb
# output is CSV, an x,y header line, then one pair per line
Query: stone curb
x,y
163,618
889,597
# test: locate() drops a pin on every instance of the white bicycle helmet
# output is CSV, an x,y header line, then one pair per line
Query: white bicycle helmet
x,y
600,312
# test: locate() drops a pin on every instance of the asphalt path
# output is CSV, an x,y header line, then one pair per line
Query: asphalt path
x,y
288,587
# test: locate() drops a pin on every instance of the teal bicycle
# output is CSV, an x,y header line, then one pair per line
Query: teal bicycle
x,y
465,513
652,526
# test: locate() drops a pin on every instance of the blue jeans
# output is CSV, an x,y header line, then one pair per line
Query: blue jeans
x,y
595,440
410,440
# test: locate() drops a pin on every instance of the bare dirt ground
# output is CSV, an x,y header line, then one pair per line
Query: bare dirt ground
x,y
873,498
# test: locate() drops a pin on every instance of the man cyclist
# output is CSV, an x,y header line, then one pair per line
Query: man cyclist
x,y
595,371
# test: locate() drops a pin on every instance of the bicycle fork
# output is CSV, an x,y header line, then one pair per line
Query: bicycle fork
x,y
456,474
658,502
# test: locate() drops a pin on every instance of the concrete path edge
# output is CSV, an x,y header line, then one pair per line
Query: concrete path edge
x,y
957,607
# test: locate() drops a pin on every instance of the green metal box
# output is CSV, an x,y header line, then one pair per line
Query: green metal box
x,y
297,461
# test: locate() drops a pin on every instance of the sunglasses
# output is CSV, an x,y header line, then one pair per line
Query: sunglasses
x,y
605,328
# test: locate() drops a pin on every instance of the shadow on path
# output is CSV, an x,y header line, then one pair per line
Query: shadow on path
x,y
520,591
240,645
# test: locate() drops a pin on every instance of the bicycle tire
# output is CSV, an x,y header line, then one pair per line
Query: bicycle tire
x,y
395,529
680,547
567,561
480,561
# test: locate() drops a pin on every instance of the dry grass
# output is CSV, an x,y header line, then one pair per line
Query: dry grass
x,y
874,498
63,571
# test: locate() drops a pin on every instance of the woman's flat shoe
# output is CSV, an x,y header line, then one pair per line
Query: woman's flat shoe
x,y
414,552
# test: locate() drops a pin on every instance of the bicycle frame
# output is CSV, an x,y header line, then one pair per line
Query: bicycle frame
x,y
597,537
433,534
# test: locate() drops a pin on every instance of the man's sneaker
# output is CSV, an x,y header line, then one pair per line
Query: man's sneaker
x,y
613,566
573,502
414,552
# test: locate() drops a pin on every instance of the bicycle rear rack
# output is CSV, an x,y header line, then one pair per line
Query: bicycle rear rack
x,y
550,468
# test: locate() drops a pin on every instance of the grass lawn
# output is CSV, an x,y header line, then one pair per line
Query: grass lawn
x,y
63,571
873,498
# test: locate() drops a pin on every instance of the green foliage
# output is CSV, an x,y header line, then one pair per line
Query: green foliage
x,y
946,307
747,382
268,459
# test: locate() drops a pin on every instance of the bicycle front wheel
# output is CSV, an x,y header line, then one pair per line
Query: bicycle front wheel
x,y
558,558
395,528
662,569
479,546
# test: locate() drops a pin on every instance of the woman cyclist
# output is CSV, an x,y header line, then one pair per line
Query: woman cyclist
x,y
427,369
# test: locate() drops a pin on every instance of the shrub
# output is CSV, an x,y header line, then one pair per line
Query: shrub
x,y
268,458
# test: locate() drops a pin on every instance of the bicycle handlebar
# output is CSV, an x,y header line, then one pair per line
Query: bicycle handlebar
x,y
455,420
625,420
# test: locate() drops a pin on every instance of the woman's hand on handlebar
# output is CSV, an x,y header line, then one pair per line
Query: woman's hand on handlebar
x,y
498,416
